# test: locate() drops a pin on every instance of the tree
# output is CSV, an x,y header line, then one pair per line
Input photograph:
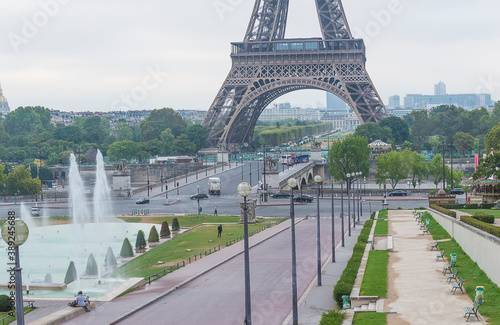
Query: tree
x,y
153,235
95,128
420,127
492,139
19,181
140,242
416,165
161,119
347,156
123,131
182,145
164,231
488,166
123,150
399,128
435,169
463,142
167,141
175,224
373,131
197,134
391,166
126,250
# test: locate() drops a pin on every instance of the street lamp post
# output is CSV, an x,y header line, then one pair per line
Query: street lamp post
x,y
292,183
198,198
451,160
342,209
353,175
359,192
318,180
333,227
444,176
147,171
244,189
21,233
348,203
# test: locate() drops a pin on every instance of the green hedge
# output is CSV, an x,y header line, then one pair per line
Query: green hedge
x,y
444,210
484,217
346,282
469,206
494,230
332,317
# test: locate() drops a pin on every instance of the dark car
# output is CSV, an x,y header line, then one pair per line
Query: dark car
x,y
303,198
199,196
142,200
397,193
457,191
280,195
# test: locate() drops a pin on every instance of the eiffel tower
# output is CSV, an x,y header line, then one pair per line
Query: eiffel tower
x,y
266,66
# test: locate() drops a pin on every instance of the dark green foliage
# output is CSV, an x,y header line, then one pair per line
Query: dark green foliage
x,y
469,206
488,218
175,224
110,260
494,230
140,242
444,210
127,250
91,265
153,235
4,303
332,317
71,274
346,282
165,231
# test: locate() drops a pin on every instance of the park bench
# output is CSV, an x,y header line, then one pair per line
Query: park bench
x,y
458,285
447,269
435,246
426,230
440,256
452,276
471,311
29,303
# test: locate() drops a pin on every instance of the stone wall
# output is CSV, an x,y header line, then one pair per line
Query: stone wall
x,y
482,247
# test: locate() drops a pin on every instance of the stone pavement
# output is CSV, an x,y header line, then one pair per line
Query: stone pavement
x,y
418,292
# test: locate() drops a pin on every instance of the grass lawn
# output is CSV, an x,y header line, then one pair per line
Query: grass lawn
x,y
495,213
473,276
375,278
369,319
435,229
186,221
381,228
382,214
173,251
11,319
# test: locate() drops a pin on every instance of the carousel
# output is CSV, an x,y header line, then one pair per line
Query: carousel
x,y
483,190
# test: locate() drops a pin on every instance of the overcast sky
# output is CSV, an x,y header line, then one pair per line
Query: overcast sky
x,y
110,55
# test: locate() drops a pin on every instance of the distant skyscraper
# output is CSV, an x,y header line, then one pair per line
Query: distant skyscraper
x,y
4,105
394,102
333,103
440,89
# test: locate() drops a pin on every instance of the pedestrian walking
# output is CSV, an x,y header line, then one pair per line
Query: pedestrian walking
x,y
215,211
219,230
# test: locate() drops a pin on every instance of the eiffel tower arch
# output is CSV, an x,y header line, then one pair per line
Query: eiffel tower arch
x,y
266,66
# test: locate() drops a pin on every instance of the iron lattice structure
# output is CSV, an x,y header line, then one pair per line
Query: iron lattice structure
x,y
266,66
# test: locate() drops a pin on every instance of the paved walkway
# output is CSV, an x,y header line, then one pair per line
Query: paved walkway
x,y
418,292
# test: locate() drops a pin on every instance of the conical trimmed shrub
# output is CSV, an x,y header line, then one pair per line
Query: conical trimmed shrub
x,y
48,278
71,274
91,265
153,235
140,242
127,250
110,259
175,224
165,230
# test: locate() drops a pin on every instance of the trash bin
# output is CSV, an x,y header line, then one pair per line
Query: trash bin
x,y
453,257
345,302
427,221
479,294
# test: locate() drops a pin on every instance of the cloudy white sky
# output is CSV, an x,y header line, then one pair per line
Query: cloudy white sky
x,y
92,55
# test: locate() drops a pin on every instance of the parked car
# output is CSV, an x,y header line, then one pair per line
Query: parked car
x,y
199,196
35,212
457,191
142,200
397,193
280,195
303,198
